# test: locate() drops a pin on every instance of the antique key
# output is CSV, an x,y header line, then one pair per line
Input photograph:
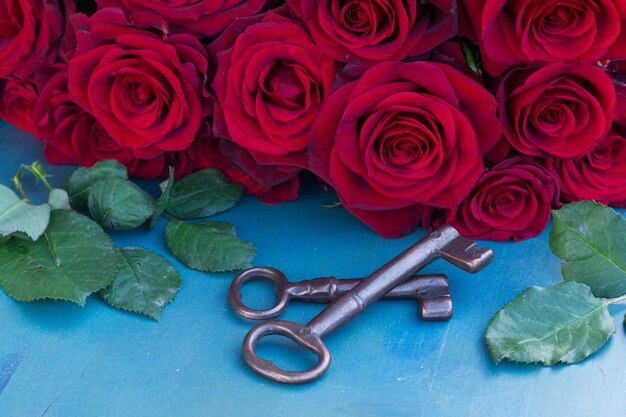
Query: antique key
x,y
431,291
445,242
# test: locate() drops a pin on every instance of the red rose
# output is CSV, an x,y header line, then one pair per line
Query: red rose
x,y
562,110
73,136
514,32
271,81
402,136
600,175
269,183
377,30
17,102
31,32
147,92
512,200
201,17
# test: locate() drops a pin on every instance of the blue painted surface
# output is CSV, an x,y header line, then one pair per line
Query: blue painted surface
x,y
60,360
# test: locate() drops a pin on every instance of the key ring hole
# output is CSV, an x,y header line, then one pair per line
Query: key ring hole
x,y
258,278
286,353
297,333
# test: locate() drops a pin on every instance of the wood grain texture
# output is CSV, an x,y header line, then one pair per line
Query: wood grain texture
x,y
60,360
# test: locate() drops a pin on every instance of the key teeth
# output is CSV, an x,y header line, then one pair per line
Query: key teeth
x,y
436,309
465,254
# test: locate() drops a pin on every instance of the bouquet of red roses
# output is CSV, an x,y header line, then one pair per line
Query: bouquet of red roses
x,y
479,113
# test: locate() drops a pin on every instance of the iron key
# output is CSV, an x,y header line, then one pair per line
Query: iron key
x,y
445,242
431,291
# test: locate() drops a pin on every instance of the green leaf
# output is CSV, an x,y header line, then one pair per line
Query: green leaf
x,y
563,323
591,239
17,215
80,182
202,194
73,259
162,202
472,55
119,204
59,200
208,246
145,283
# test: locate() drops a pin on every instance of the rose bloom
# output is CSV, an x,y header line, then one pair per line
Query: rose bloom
x,y
271,82
403,136
148,92
561,110
31,33
73,136
512,200
17,102
600,175
515,32
377,30
269,183
201,17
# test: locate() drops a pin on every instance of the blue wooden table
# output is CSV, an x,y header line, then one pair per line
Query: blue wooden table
x,y
60,360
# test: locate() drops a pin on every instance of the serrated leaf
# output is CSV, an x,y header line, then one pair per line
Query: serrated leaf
x,y
204,247
145,283
73,259
119,204
216,226
203,194
80,182
17,215
591,239
59,200
162,202
564,323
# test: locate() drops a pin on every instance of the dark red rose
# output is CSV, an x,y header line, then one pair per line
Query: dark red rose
x,y
201,17
377,30
17,102
31,33
271,81
148,92
512,200
600,175
269,183
402,136
73,136
562,110
515,32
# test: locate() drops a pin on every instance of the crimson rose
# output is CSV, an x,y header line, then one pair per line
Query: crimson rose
x,y
402,136
377,30
17,102
512,200
202,17
514,32
148,92
31,33
600,175
562,110
73,136
271,81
